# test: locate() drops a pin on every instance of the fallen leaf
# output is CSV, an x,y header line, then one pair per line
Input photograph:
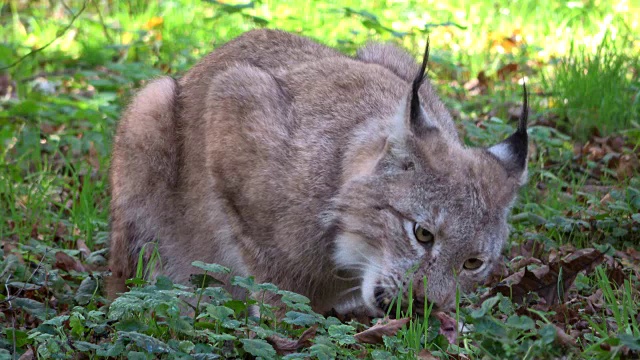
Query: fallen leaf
x,y
448,327
595,302
67,263
627,166
615,274
8,89
519,263
544,280
28,355
84,249
477,86
504,71
563,339
425,354
286,346
386,326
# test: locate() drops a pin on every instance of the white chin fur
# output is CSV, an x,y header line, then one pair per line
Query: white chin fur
x,y
368,287
353,253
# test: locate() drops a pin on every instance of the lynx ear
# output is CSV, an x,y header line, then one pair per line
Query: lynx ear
x,y
417,117
512,152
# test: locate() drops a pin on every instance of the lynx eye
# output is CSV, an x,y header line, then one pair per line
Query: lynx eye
x,y
422,235
473,264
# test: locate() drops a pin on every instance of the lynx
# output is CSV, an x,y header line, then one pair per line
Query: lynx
x,y
340,178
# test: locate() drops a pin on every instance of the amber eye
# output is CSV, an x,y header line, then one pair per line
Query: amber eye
x,y
423,235
473,264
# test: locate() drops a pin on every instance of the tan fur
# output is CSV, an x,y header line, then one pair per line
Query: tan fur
x,y
284,159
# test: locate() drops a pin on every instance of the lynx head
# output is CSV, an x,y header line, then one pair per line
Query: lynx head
x,y
430,211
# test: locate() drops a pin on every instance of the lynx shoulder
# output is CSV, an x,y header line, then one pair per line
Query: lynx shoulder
x,y
340,178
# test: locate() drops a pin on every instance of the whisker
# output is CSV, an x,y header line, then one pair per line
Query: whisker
x,y
348,291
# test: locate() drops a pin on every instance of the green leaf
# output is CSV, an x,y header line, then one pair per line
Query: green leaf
x,y
186,346
86,290
301,319
212,268
291,298
548,334
111,350
382,355
221,337
630,341
163,283
201,281
343,334
123,306
21,337
131,324
248,283
323,352
85,346
521,322
295,356
219,312
268,287
236,305
486,307
147,343
259,348
57,321
201,356
136,355
217,294
34,308
295,301
76,322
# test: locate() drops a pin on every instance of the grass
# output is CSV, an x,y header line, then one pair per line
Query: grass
x,y
75,63
596,92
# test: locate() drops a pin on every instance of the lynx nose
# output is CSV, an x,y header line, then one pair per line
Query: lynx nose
x,y
382,298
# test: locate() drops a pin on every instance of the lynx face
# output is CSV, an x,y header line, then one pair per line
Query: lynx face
x,y
430,217
438,224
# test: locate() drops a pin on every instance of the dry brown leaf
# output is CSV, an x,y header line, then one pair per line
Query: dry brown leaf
x,y
477,86
504,71
544,279
386,326
28,355
67,263
448,327
627,166
8,88
595,302
563,339
425,354
84,249
284,346
524,262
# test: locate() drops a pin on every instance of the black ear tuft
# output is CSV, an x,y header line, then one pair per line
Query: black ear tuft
x,y
418,122
512,152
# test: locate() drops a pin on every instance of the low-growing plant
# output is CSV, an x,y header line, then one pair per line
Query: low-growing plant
x,y
596,91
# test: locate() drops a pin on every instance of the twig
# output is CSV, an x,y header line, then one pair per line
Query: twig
x,y
58,35
104,26
13,317
9,298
